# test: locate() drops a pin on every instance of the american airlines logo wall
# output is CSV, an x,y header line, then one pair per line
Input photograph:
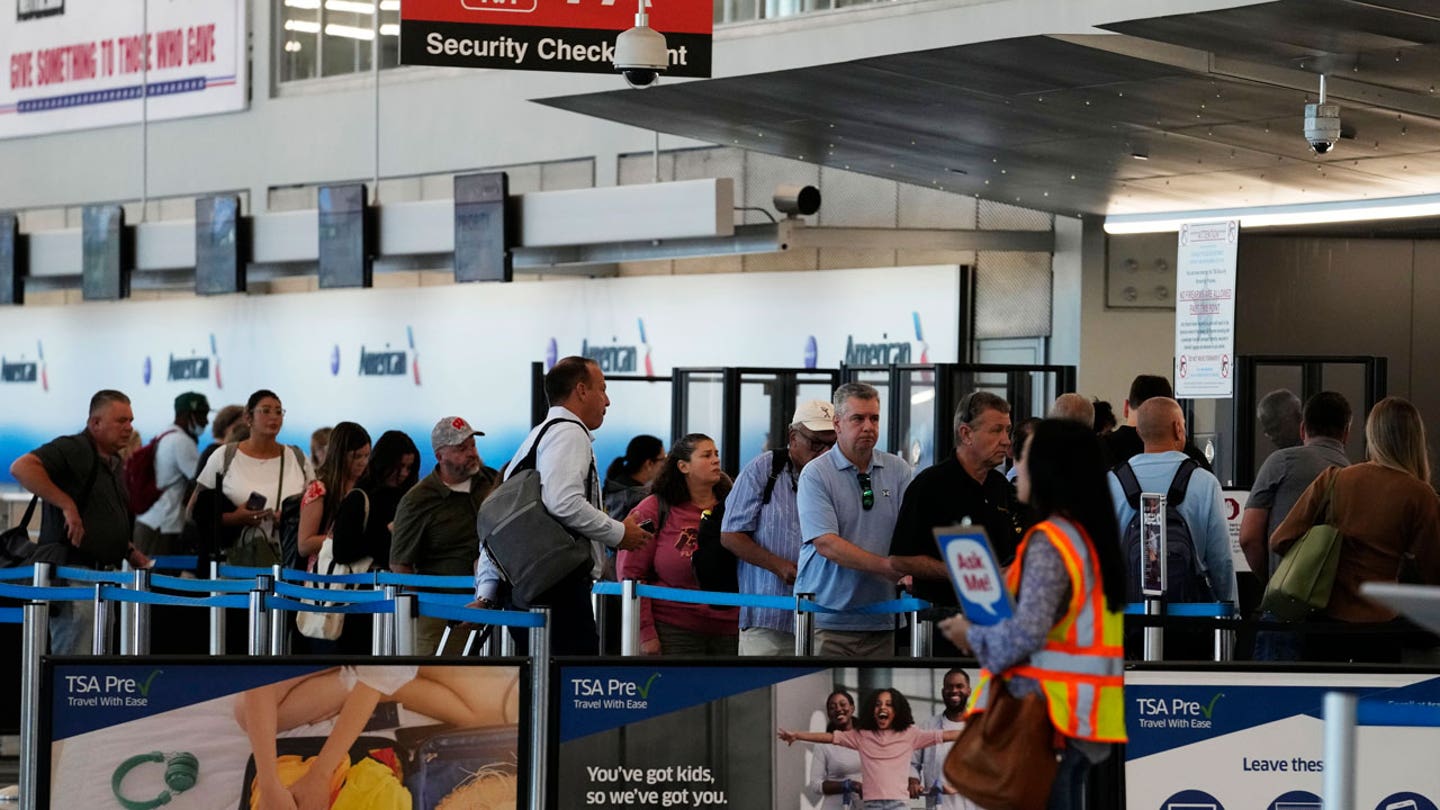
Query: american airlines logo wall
x,y
24,369
186,365
384,360
566,35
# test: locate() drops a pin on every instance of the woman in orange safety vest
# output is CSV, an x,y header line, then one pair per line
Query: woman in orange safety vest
x,y
1065,639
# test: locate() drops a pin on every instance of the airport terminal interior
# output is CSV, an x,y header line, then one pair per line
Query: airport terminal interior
x,y
389,212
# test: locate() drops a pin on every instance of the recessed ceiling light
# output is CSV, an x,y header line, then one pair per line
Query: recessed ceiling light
x,y
1140,156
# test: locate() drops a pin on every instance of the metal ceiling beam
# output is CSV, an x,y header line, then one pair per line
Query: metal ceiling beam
x,y
780,237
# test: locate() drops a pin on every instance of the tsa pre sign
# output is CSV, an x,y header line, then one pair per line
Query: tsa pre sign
x,y
568,35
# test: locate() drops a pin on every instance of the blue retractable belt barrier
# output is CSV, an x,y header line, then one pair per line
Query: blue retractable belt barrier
x,y
12,615
201,585
425,580
292,591
30,593
175,562
150,598
280,603
451,599
505,618
91,575
336,579
1214,610
243,571
22,574
905,605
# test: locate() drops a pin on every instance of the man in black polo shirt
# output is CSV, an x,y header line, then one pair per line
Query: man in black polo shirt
x,y
86,521
966,485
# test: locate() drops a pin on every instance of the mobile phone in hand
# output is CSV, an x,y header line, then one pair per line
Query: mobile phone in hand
x,y
648,525
255,501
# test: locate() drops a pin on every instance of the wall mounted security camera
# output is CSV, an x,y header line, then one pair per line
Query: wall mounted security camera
x,y
1322,123
640,53
796,201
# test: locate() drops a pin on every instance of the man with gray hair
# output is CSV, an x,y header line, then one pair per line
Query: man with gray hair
x,y
848,500
1075,408
1279,416
965,485
86,518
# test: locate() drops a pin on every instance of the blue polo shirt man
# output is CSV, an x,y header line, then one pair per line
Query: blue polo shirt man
x,y
848,500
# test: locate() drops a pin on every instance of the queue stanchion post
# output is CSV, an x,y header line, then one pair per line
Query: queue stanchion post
x,y
1225,634
379,622
601,606
404,618
141,643
920,631
1154,635
539,722
217,617
100,622
804,625
506,647
629,618
36,632
1339,782
386,640
259,621
278,636
127,620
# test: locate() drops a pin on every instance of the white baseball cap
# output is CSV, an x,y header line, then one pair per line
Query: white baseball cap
x,y
817,415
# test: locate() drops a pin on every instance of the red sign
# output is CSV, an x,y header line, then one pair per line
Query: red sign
x,y
568,35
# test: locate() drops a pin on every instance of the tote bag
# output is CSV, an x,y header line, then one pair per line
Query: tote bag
x,y
327,626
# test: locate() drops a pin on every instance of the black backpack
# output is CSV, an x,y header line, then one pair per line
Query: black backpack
x,y
1185,578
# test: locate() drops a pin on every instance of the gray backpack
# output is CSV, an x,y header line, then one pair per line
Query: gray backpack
x,y
533,551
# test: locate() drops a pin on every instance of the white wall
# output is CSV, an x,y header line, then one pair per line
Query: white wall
x,y
1117,344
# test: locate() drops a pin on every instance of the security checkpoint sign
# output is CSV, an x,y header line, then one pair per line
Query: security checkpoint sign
x,y
566,35
1205,310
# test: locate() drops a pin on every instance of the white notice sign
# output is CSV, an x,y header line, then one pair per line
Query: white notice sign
x,y
1205,310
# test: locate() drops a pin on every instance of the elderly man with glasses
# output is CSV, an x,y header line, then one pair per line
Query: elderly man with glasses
x,y
848,500
762,527
970,485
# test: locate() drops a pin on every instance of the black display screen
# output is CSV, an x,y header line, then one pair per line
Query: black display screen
x,y
12,278
218,268
482,230
344,238
104,276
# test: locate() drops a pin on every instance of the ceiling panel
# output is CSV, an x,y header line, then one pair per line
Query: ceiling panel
x,y
1058,124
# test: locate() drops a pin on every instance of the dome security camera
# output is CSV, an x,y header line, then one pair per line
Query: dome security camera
x,y
1322,123
640,53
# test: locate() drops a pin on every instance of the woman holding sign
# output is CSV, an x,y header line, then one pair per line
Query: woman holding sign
x,y
1063,645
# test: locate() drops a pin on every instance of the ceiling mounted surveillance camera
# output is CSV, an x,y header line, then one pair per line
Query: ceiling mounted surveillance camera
x,y
796,200
640,53
1322,123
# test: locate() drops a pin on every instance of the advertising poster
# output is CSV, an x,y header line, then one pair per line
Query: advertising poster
x,y
81,64
1205,310
247,734
1254,741
402,359
570,35
662,734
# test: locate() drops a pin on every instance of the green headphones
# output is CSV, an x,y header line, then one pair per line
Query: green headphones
x,y
182,771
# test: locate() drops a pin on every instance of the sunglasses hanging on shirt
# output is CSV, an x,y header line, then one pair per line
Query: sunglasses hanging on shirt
x,y
867,492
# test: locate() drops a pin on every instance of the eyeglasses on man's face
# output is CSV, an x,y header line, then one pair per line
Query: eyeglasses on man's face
x,y
867,492
816,443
